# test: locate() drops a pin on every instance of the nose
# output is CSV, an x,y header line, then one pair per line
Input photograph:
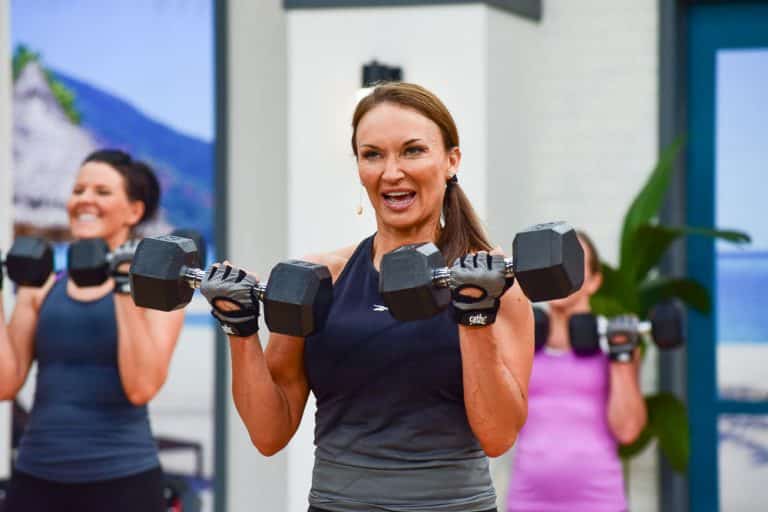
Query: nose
x,y
392,170
84,197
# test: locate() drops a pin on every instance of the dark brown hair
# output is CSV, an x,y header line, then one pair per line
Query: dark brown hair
x,y
593,262
140,181
463,232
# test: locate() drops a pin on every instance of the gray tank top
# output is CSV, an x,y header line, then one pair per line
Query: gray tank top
x,y
391,428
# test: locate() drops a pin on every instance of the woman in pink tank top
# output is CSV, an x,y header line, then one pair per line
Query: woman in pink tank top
x,y
579,410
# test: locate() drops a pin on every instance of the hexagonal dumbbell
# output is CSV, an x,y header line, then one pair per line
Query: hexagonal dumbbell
x,y
548,263
29,262
88,259
665,327
296,298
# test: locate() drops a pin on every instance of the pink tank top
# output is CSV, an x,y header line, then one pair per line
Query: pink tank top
x,y
566,457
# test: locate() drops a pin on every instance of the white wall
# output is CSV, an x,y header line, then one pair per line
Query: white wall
x,y
257,207
6,201
573,104
440,47
572,135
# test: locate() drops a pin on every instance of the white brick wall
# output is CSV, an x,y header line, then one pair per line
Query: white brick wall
x,y
572,134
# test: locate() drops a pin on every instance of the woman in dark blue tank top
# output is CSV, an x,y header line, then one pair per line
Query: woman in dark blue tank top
x,y
88,444
407,412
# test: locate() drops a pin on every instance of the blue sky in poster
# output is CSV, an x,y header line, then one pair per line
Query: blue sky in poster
x,y
122,46
742,144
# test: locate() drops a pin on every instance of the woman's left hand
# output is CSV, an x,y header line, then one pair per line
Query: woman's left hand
x,y
478,280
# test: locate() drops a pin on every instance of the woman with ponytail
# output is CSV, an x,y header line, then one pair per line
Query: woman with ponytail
x,y
88,445
407,412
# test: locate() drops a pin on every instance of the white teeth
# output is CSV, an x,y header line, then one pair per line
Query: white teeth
x,y
86,217
398,194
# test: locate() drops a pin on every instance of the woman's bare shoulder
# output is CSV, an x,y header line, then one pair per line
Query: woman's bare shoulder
x,y
334,260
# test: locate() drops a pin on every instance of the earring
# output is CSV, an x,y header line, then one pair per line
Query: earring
x,y
359,209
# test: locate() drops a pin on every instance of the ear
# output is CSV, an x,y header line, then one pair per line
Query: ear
x,y
454,159
594,283
135,212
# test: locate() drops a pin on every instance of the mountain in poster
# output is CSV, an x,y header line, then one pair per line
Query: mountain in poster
x,y
49,145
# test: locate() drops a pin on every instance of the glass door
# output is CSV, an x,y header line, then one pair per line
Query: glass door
x,y
727,186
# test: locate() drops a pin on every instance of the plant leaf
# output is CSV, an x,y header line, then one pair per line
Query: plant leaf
x,y
627,451
687,290
617,295
650,242
648,201
606,305
668,419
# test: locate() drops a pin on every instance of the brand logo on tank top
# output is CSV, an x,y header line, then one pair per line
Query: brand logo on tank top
x,y
379,308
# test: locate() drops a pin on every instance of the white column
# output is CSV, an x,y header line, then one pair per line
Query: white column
x,y
6,202
256,209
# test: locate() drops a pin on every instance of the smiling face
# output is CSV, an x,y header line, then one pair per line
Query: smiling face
x,y
99,206
404,166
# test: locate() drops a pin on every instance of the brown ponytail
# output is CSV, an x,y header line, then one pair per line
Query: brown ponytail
x,y
462,231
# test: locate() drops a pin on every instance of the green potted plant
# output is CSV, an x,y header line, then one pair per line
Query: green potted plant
x,y
635,286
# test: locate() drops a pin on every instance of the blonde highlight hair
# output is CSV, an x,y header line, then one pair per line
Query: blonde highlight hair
x,y
463,231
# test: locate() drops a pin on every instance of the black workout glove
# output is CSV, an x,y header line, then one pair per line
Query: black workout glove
x,y
623,338
123,254
481,272
233,285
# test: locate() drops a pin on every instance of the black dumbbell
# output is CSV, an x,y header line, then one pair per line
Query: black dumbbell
x,y
541,327
29,262
88,259
164,274
665,328
548,263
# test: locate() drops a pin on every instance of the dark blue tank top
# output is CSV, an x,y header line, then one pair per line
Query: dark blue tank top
x,y
82,427
391,426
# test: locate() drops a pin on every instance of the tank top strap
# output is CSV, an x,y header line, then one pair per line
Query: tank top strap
x,y
361,258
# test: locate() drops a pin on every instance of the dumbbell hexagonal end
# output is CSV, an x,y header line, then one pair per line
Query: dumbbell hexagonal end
x,y
541,327
548,261
667,328
584,335
298,297
30,261
196,237
157,269
405,282
87,262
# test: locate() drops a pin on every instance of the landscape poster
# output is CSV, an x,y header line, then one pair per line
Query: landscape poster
x,y
136,75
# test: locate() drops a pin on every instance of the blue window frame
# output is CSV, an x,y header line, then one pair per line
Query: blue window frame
x,y
712,27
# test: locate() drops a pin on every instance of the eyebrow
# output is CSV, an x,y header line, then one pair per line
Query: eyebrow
x,y
409,141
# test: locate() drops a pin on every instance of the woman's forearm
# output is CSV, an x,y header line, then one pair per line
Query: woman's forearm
x,y
261,403
627,413
9,364
496,402
145,347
